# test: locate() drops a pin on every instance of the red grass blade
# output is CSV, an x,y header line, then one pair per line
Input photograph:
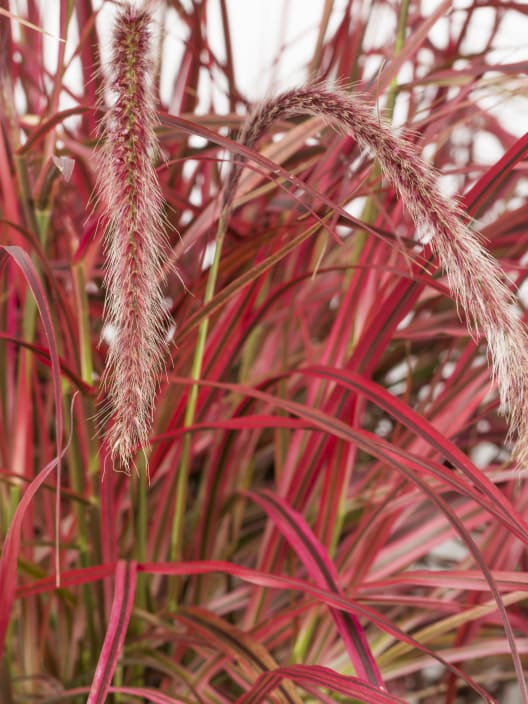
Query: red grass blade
x,y
11,548
478,196
8,562
124,591
309,676
236,644
316,560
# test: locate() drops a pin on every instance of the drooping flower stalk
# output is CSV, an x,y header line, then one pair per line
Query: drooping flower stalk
x,y
134,239
475,278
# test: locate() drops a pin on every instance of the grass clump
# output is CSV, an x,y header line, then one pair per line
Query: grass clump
x,y
277,315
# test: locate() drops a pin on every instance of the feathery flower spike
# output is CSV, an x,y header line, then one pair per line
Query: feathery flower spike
x,y
134,239
474,277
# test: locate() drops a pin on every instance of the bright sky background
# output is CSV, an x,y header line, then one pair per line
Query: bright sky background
x,y
264,29
261,27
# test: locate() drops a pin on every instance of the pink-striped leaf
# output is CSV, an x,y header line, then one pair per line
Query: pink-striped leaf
x,y
319,565
124,591
11,547
309,676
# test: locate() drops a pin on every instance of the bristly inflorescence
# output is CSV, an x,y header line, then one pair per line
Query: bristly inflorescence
x,y
134,239
475,278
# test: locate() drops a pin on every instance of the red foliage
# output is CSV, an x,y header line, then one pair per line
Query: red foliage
x,y
333,509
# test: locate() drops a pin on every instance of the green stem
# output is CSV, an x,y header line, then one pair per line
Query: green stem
x,y
398,46
176,548
140,544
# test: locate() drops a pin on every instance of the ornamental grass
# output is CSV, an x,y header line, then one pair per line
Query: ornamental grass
x,y
263,357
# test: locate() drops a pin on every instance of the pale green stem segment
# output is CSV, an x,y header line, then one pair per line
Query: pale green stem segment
x,y
190,412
